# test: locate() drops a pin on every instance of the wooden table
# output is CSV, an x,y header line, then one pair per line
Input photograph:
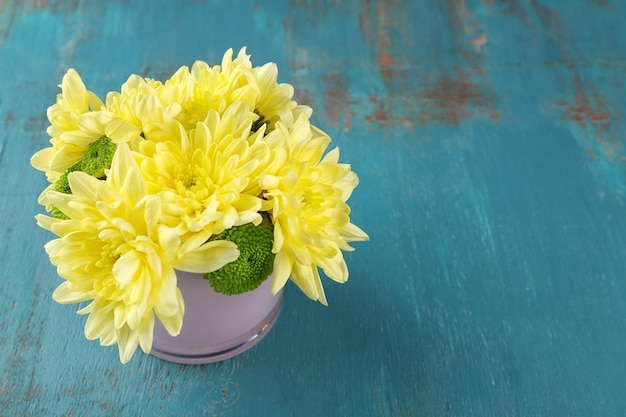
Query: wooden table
x,y
489,137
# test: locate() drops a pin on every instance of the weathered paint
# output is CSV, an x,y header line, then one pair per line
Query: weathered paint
x,y
488,136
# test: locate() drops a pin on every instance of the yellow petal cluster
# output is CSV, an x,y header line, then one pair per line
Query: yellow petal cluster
x,y
211,148
311,218
114,253
77,119
207,177
236,80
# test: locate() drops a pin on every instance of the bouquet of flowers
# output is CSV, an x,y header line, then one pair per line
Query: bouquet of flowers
x,y
216,170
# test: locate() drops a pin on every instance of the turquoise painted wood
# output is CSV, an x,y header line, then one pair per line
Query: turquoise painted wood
x,y
489,136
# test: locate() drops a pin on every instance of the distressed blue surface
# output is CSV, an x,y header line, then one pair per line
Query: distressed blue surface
x,y
489,140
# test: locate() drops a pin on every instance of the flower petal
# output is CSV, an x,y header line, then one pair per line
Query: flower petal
x,y
64,294
282,270
207,258
120,165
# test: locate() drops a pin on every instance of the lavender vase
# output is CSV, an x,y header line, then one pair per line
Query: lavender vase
x,y
216,326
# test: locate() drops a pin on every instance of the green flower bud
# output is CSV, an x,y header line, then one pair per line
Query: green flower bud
x,y
62,185
255,262
98,157
58,213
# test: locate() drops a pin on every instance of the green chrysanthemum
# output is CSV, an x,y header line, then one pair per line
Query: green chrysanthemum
x,y
95,161
98,157
255,261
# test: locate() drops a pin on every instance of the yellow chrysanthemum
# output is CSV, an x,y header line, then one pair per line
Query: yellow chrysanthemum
x,y
309,211
206,178
275,101
74,101
216,88
150,105
77,120
236,80
113,252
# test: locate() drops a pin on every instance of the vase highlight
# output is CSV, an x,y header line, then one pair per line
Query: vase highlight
x,y
216,326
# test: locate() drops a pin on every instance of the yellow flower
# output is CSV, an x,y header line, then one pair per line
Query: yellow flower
x,y
64,116
311,219
113,252
275,101
236,80
150,105
206,178
216,88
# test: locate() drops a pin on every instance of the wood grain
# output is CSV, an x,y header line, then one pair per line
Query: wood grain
x,y
489,140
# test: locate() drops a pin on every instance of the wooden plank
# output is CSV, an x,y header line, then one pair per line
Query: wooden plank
x,y
489,139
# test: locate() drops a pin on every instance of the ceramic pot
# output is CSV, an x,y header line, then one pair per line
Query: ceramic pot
x,y
216,326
